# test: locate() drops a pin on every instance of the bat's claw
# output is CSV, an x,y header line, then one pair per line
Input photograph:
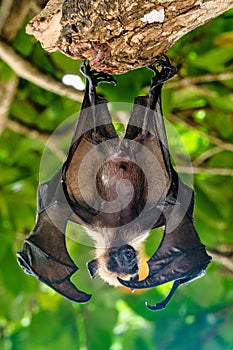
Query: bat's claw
x,y
167,71
95,77
164,62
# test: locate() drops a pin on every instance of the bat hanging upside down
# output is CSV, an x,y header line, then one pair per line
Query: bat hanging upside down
x,y
118,190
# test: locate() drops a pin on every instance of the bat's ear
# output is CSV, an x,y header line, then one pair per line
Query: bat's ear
x,y
93,267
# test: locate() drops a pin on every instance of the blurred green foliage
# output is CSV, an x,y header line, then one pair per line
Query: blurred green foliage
x,y
201,314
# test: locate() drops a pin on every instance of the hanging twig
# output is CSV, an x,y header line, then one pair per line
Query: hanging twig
x,y
35,134
206,155
207,78
205,170
212,139
223,257
7,93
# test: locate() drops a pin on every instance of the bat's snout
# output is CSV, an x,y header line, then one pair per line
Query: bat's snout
x,y
123,259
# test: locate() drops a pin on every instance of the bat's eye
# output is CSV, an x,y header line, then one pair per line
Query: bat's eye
x,y
113,253
111,266
129,254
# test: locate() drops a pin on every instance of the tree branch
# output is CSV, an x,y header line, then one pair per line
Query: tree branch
x,y
204,170
35,134
207,154
7,93
26,70
207,78
6,6
12,17
212,139
120,35
224,258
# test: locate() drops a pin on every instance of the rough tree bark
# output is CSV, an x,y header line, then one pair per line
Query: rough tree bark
x,y
119,35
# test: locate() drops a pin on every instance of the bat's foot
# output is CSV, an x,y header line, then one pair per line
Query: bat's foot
x,y
94,77
167,71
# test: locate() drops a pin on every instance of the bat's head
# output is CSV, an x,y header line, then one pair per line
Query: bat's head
x,y
115,262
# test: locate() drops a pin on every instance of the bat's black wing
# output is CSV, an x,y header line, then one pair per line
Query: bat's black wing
x,y
94,128
146,128
181,257
44,254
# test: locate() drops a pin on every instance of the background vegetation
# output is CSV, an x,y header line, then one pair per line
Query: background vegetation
x,y
199,104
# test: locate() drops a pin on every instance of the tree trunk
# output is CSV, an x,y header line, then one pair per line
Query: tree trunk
x,y
119,35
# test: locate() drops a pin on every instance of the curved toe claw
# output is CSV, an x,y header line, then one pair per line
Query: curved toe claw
x,y
100,77
163,61
93,76
166,73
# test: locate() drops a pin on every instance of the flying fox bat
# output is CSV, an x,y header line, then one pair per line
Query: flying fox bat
x,y
118,190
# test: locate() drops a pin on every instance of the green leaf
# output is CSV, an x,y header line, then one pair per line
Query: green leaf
x,y
24,111
23,43
6,73
214,60
225,40
65,64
